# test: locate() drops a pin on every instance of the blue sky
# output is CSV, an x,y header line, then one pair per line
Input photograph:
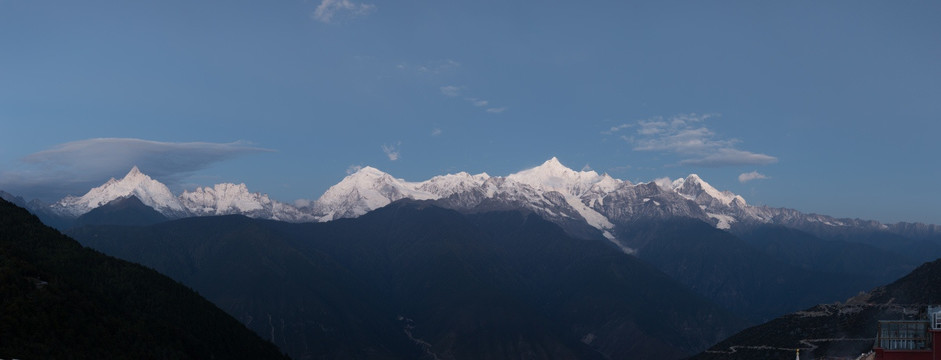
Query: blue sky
x,y
832,107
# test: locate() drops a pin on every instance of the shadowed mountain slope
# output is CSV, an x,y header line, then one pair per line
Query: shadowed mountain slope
x,y
123,211
60,300
732,272
411,280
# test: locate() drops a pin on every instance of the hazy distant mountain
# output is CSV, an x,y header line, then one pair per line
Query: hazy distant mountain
x,y
837,330
413,279
60,300
15,200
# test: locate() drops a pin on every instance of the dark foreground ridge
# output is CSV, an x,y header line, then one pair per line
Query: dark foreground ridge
x,y
59,300
839,330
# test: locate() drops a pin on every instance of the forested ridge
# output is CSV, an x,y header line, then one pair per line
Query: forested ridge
x,y
61,300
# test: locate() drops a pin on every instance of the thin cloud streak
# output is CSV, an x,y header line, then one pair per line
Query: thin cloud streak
x,y
456,91
450,90
438,67
730,157
477,102
615,129
754,175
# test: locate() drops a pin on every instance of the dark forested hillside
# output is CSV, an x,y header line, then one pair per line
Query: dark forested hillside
x,y
59,300
412,280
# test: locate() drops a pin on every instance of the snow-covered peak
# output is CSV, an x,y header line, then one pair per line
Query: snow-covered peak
x,y
150,192
694,188
553,176
550,170
447,185
554,163
370,179
368,171
225,198
607,184
575,187
363,191
228,198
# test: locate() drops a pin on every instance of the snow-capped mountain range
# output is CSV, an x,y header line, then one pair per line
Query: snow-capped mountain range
x,y
221,199
582,202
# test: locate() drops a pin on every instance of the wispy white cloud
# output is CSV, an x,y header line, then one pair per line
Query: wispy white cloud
x,y
434,67
328,10
392,151
451,90
477,102
353,169
686,136
436,132
437,67
615,129
455,91
664,183
74,167
754,175
730,157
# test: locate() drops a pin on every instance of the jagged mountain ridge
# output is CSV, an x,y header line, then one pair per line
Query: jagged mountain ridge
x,y
575,199
220,199
584,202
149,191
229,199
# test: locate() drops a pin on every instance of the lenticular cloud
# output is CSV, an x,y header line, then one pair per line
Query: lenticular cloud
x,y
79,163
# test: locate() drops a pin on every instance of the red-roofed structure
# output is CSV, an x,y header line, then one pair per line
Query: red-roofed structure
x,y
910,339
